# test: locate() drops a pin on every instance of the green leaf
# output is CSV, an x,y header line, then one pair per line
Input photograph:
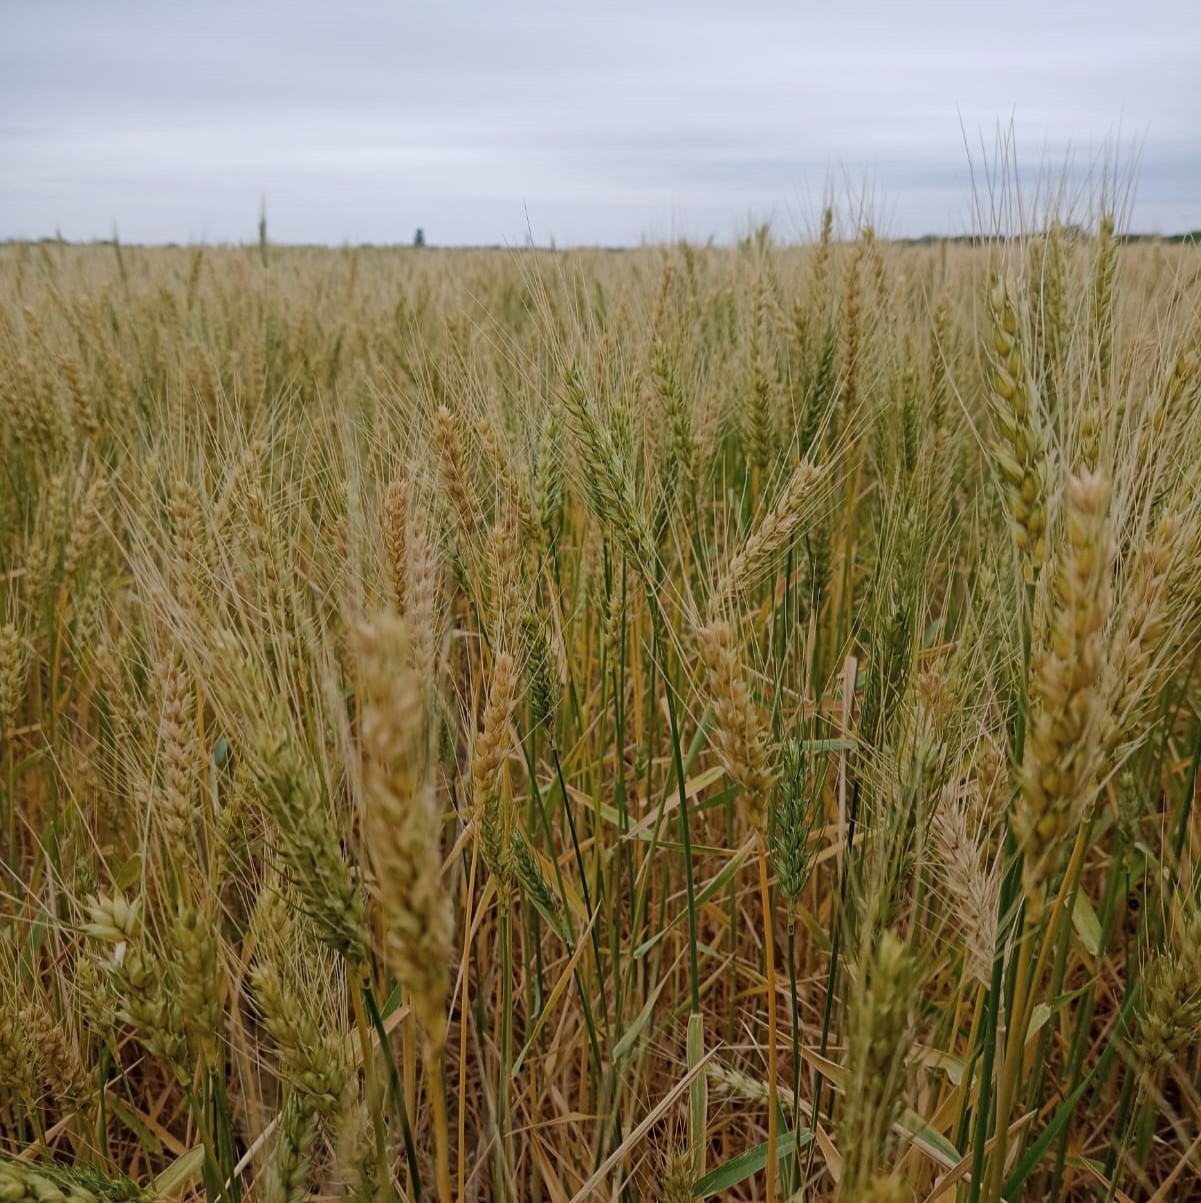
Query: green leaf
x,y
631,1034
129,873
1043,1011
738,1169
130,1118
1034,1153
695,786
825,745
932,1143
393,1001
727,871
33,943
1038,1019
1086,923
181,1171
698,1089
26,763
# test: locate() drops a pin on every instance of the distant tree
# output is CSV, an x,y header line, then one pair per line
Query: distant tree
x,y
263,231
419,237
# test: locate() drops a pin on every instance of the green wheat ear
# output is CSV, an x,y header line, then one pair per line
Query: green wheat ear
x,y
795,815
1021,456
27,1182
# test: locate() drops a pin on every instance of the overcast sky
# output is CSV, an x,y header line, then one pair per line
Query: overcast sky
x,y
594,123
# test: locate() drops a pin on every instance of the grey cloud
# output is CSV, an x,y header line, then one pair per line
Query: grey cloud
x,y
603,123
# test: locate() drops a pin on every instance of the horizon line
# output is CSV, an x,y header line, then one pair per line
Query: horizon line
x,y
711,243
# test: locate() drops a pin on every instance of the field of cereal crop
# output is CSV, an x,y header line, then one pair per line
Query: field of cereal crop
x,y
686,722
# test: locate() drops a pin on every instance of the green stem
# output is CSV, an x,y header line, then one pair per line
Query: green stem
x,y
796,1033
370,1081
396,1092
1008,899
832,971
504,1086
685,824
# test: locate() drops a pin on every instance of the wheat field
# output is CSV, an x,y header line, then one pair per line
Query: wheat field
x,y
649,725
